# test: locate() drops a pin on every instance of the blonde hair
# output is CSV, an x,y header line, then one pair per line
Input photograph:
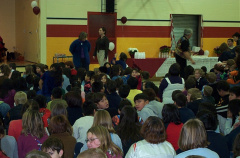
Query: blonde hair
x,y
207,90
20,98
32,124
103,118
200,71
106,142
193,135
94,152
196,95
193,90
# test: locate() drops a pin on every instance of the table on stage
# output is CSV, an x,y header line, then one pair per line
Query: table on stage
x,y
160,66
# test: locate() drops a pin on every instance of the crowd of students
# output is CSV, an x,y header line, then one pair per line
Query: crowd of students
x,y
116,111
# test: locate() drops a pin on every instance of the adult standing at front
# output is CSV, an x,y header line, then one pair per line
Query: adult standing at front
x,y
102,46
80,49
183,52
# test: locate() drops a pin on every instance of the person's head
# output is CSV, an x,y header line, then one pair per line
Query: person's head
x,y
236,146
119,82
103,118
132,82
207,91
73,99
190,92
128,115
193,135
174,70
81,73
211,77
89,75
140,101
89,108
198,73
122,104
115,70
145,75
123,56
174,93
82,36
103,69
12,66
180,100
234,93
207,106
128,71
196,96
234,109
153,130
103,78
69,64
100,100
204,69
31,94
223,47
150,84
40,68
97,86
111,86
38,154
60,124
218,68
188,33
230,63
29,69
5,70
107,65
150,94
209,119
190,83
20,98
41,100
32,124
15,74
230,42
222,87
102,31
99,137
188,70
170,114
134,72
124,91
56,93
93,152
53,146
236,36
59,109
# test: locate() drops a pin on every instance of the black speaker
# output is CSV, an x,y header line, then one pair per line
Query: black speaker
x,y
110,6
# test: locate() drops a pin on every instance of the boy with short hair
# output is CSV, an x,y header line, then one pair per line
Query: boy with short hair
x,y
113,98
53,146
56,94
234,93
144,109
211,78
97,86
133,83
88,84
207,94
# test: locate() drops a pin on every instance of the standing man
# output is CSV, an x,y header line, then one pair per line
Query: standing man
x,y
183,52
102,46
80,49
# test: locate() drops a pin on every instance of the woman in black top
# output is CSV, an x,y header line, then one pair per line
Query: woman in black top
x,y
102,46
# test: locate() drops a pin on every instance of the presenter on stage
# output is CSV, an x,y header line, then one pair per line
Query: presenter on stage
x,y
183,51
80,49
102,46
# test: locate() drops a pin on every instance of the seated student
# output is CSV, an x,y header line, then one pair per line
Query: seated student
x,y
234,93
7,143
88,85
83,124
230,66
226,53
124,91
207,94
154,143
7,92
101,101
122,60
54,147
156,105
217,142
40,70
194,98
150,84
133,83
143,107
201,81
69,64
20,98
108,66
74,109
180,100
211,78
145,76
28,71
223,90
59,127
37,154
135,73
129,127
112,96
172,123
219,71
171,83
56,94
116,72
97,86
42,102
94,152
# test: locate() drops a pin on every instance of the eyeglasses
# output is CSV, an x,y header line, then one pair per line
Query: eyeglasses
x,y
90,140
